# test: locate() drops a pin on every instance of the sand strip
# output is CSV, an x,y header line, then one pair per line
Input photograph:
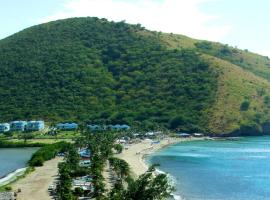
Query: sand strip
x,y
35,185
135,154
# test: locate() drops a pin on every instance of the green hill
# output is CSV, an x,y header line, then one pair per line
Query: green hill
x,y
92,70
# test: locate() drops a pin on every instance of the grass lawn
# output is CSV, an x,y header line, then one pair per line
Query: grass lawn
x,y
44,140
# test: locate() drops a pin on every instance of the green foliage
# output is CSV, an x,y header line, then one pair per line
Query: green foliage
x,y
259,65
7,144
205,45
147,186
65,182
250,129
26,136
37,161
100,145
68,170
245,105
8,188
261,91
225,51
73,157
176,122
120,167
89,69
78,192
117,192
267,100
47,152
118,148
95,71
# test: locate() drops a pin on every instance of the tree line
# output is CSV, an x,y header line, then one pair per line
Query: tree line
x,y
125,187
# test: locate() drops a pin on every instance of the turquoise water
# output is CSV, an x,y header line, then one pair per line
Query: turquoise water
x,y
218,170
14,158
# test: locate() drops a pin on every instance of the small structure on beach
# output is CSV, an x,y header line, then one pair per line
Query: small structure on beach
x,y
68,126
122,141
155,142
4,127
84,182
153,133
198,134
35,125
18,125
184,135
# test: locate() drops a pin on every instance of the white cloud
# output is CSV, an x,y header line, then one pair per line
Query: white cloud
x,y
263,52
176,16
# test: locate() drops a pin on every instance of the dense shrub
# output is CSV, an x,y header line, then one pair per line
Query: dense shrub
x,y
47,152
8,144
37,161
245,105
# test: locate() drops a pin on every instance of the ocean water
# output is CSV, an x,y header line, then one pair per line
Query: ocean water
x,y
12,159
218,170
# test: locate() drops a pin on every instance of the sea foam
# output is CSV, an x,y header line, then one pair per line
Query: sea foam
x,y
172,182
12,176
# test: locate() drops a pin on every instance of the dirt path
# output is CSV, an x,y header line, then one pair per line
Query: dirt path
x,y
35,185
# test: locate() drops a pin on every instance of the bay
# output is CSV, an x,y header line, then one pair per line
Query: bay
x,y
12,159
218,170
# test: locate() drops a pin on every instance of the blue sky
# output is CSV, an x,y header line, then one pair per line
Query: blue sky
x,y
241,23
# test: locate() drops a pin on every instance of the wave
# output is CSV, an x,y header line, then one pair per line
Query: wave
x,y
255,150
159,171
195,155
172,181
244,150
260,157
177,197
260,176
12,176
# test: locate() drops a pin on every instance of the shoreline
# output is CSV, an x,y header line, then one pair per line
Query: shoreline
x,y
135,154
35,185
15,174
12,176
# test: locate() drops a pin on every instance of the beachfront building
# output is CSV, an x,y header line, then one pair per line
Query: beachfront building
x,y
35,125
153,133
4,127
84,182
84,154
67,126
18,125
125,127
94,127
119,127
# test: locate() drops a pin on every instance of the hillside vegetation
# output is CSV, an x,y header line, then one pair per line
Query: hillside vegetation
x,y
92,70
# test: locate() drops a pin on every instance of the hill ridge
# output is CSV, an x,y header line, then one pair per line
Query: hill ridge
x,y
93,70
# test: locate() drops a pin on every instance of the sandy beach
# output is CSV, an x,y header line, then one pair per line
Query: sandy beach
x,y
135,154
35,185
